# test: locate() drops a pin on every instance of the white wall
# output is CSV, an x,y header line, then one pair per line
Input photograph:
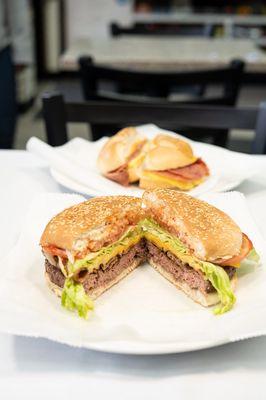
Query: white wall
x,y
90,18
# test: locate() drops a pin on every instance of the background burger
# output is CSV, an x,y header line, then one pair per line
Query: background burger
x,y
170,163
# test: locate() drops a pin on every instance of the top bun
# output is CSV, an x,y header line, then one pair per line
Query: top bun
x,y
92,224
166,152
208,232
119,149
175,142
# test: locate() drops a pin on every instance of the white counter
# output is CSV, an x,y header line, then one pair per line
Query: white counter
x,y
158,53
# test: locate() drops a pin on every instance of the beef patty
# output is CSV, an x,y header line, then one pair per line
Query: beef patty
x,y
105,273
182,272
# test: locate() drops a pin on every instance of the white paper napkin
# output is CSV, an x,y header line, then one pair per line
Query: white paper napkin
x,y
73,164
143,313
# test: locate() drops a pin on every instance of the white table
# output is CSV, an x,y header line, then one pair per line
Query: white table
x,y
40,369
164,53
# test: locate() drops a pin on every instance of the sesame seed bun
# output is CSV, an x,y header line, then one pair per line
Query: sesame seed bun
x,y
208,232
92,224
119,150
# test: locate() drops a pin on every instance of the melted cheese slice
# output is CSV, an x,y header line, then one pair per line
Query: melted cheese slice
x,y
169,182
93,260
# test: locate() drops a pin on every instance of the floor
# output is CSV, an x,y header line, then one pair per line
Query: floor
x,y
30,123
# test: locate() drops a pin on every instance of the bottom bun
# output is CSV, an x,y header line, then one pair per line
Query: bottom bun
x,y
54,288
206,300
98,291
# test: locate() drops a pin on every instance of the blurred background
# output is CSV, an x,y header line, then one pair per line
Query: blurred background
x,y
41,42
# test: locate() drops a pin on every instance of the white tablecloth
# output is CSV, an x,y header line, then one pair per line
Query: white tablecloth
x,y
41,369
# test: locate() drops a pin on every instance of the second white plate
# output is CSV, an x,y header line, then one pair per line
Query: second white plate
x,y
227,168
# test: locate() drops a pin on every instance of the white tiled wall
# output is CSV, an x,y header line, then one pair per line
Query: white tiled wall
x,y
90,18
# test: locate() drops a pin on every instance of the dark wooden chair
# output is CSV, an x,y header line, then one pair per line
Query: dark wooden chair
x,y
162,29
156,86
57,114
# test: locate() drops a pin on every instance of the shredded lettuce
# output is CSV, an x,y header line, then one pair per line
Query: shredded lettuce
x,y
74,298
215,274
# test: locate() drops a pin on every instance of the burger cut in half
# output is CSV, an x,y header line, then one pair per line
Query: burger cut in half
x,y
195,246
170,163
121,156
93,245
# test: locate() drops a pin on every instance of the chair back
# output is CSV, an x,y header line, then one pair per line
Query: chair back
x,y
159,84
57,114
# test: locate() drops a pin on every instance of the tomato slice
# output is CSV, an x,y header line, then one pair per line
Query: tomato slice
x,y
245,249
55,251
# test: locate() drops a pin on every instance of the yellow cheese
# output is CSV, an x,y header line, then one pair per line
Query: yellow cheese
x,y
168,246
103,256
180,184
236,265
136,162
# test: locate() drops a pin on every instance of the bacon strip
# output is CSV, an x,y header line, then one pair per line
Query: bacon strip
x,y
194,171
119,175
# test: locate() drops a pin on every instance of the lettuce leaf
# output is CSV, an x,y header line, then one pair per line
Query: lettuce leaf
x,y
151,228
74,298
215,274
221,282
253,256
93,260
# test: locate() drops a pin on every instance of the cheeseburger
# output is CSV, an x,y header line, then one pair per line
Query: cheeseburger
x,y
170,163
93,245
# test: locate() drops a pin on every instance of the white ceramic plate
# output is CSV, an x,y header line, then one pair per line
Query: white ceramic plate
x,y
228,169
144,313
76,187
